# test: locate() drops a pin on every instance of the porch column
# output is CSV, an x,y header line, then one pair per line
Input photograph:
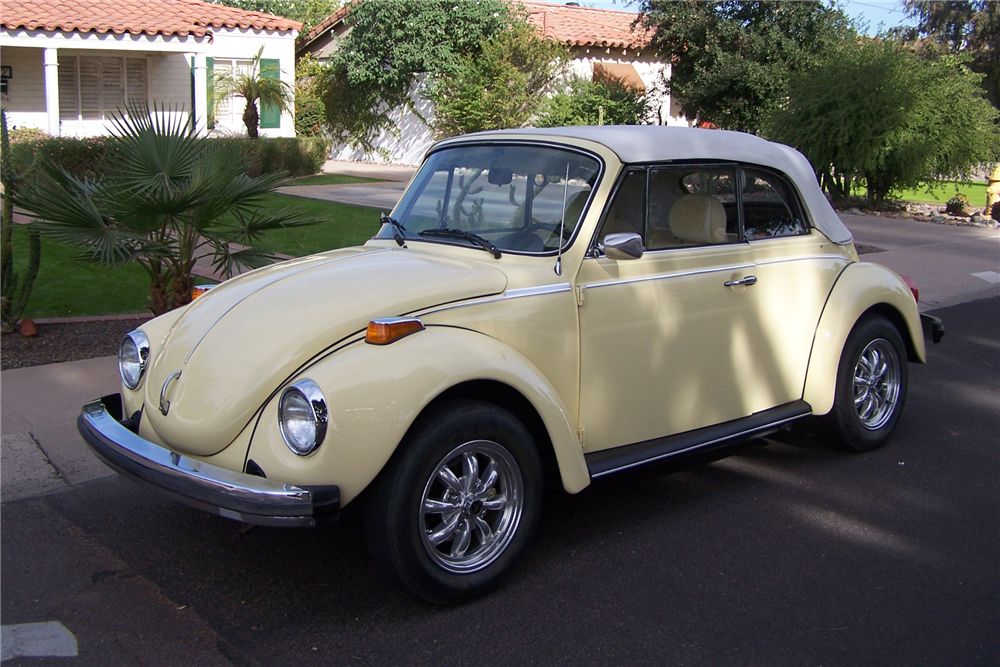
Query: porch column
x,y
200,112
50,62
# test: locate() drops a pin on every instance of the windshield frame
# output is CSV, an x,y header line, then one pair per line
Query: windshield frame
x,y
422,175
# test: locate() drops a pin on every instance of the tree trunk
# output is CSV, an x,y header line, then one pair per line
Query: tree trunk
x,y
251,118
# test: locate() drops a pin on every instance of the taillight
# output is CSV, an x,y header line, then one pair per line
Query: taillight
x,y
913,287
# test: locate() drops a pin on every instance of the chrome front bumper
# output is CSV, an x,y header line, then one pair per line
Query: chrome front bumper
x,y
234,495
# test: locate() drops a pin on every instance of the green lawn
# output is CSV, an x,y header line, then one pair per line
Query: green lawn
x,y
974,191
68,286
341,226
332,179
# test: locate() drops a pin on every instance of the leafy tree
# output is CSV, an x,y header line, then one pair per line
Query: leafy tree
x,y
308,12
874,110
14,290
390,44
589,102
970,28
500,87
731,58
258,85
167,199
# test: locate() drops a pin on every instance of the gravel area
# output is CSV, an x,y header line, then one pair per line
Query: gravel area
x,y
63,342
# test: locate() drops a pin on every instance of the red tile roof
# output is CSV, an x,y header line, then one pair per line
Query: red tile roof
x,y
586,26
151,17
576,26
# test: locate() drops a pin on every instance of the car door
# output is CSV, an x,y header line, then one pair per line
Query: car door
x,y
668,340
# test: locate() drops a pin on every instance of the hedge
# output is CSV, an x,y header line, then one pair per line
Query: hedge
x,y
86,158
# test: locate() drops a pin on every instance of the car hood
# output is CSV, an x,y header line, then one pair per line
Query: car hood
x,y
235,345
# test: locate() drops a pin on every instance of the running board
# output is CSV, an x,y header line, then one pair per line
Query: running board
x,y
626,457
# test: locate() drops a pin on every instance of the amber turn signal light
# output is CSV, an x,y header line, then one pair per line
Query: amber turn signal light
x,y
198,290
391,329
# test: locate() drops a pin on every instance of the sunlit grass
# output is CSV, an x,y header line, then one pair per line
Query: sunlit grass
x,y
340,226
70,286
975,191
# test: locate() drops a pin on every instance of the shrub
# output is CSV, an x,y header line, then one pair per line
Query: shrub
x,y
90,158
310,114
21,134
80,158
957,205
298,156
500,87
585,102
875,110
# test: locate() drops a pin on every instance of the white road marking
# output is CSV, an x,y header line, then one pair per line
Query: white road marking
x,y
989,276
37,640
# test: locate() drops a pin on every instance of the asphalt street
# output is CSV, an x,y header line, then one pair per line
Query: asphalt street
x,y
787,554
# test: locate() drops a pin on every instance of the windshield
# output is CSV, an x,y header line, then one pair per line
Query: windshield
x,y
512,197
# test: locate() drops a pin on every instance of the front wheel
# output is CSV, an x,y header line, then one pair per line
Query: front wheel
x,y
871,387
456,507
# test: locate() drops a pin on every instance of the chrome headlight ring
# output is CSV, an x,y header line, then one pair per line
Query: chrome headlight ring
x,y
133,355
302,417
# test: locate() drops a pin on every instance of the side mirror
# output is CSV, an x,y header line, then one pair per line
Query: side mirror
x,y
623,245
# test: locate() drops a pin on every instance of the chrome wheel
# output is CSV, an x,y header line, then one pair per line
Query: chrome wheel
x,y
876,384
471,507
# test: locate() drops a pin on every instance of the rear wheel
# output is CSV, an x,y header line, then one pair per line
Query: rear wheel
x,y
457,506
871,387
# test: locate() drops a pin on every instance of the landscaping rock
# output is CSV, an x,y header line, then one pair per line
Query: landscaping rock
x,y
28,328
939,219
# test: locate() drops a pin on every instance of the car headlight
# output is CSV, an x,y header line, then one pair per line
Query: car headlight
x,y
133,352
302,417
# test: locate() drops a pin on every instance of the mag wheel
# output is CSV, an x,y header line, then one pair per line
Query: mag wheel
x,y
457,506
871,387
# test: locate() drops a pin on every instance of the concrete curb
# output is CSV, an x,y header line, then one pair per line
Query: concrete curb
x,y
134,317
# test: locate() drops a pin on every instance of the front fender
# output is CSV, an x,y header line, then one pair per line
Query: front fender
x,y
860,287
375,393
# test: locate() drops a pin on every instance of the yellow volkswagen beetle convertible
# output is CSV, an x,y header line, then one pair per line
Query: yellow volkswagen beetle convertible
x,y
542,306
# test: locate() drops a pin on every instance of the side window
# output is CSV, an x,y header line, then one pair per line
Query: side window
x,y
628,209
692,205
770,208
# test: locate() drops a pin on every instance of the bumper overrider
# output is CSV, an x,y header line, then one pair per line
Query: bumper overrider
x,y
933,328
247,498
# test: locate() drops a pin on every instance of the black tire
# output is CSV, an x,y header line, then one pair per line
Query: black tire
x,y
871,387
416,524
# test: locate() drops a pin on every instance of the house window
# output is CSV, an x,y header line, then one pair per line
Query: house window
x,y
228,110
95,87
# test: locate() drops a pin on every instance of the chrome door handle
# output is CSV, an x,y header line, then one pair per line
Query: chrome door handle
x,y
749,280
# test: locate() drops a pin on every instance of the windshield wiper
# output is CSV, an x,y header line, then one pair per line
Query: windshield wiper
x,y
398,230
468,236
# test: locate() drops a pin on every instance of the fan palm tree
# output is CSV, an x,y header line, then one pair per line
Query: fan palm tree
x,y
261,85
169,198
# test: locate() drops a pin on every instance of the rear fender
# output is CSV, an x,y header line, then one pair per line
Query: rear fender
x,y
861,287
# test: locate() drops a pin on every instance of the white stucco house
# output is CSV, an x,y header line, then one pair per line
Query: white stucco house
x,y
68,65
601,41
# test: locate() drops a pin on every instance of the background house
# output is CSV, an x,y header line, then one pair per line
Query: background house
x,y
68,65
601,41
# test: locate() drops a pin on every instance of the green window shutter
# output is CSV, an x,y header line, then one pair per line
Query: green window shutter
x,y
210,98
270,115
